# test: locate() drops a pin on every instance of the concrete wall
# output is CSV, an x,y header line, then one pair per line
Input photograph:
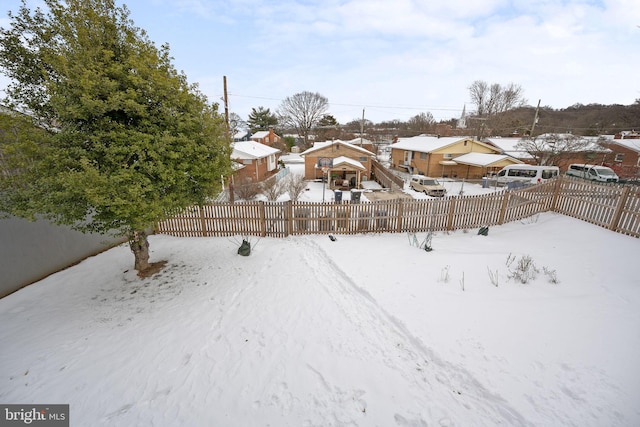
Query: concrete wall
x,y
30,251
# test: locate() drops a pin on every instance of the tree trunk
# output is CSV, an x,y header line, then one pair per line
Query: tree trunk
x,y
140,247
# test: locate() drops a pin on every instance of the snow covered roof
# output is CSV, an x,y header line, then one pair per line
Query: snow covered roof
x,y
319,145
426,144
359,141
508,146
239,136
430,143
484,159
342,160
260,134
251,150
631,144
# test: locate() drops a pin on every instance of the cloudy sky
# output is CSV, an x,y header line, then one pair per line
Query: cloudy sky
x,y
397,58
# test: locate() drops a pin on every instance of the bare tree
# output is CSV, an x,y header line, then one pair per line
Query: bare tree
x,y
302,112
551,149
273,188
495,99
247,190
236,124
421,123
295,185
479,92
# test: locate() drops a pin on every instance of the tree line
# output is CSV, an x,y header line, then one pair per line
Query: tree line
x,y
496,110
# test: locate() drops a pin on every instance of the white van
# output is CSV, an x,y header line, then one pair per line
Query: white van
x,y
532,174
592,172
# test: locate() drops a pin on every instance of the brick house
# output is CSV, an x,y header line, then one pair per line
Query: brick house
x,y
266,137
558,149
437,156
625,154
345,164
255,161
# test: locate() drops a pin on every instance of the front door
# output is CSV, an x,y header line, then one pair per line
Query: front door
x,y
408,156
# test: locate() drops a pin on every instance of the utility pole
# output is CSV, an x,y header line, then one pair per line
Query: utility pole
x,y
226,107
226,121
535,120
361,127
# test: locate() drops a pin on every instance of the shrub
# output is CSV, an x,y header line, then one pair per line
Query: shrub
x,y
524,270
295,186
247,190
273,188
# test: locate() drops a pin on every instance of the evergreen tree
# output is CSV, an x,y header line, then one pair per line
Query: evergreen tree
x,y
261,119
125,141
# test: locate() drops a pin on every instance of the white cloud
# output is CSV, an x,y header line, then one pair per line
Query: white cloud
x,y
414,53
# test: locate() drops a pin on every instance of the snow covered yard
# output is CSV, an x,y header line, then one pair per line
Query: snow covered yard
x,y
364,331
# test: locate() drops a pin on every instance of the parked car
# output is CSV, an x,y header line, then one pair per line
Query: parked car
x,y
592,172
426,185
531,174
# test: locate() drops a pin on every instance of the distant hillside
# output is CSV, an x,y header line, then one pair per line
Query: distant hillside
x,y
588,120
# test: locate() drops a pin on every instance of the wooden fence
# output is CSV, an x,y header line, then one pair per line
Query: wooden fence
x,y
615,207
385,177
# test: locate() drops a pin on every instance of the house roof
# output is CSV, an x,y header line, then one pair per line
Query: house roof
x,y
320,145
241,135
631,144
485,160
508,146
251,150
343,160
261,134
429,144
359,141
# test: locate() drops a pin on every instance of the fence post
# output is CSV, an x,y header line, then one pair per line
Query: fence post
x,y
289,211
556,193
452,210
203,222
503,208
400,213
619,208
263,219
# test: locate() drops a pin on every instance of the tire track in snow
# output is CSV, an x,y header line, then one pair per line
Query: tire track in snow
x,y
458,394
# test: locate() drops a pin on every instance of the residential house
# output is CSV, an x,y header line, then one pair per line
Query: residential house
x,y
362,143
346,165
511,146
557,149
242,135
625,154
266,137
454,157
257,161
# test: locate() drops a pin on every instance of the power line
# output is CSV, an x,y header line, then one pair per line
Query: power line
x,y
360,105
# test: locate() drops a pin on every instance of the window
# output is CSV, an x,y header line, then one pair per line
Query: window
x,y
619,157
423,156
522,172
246,161
447,156
363,159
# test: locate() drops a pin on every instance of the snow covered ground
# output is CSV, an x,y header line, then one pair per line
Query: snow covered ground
x,y
367,330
